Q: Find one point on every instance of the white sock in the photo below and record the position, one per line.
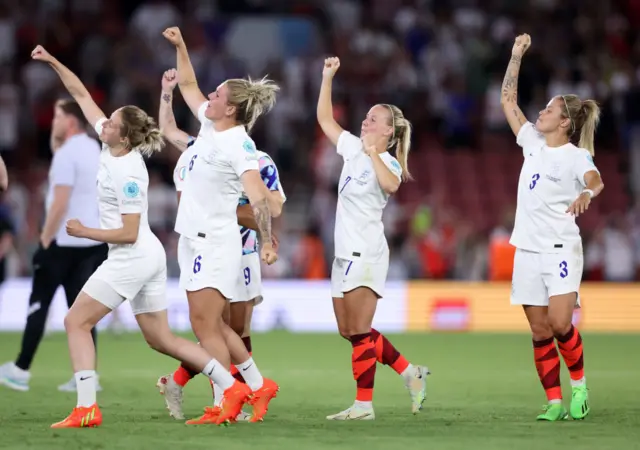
(555, 402)
(86, 385)
(581, 382)
(251, 374)
(218, 393)
(408, 372)
(363, 405)
(220, 376)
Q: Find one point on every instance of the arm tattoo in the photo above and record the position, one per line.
(263, 219)
(518, 116)
(510, 82)
(166, 98)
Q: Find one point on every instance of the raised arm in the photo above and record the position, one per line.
(509, 96)
(324, 112)
(166, 119)
(187, 82)
(4, 176)
(73, 84)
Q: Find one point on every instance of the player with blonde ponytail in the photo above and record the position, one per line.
(135, 268)
(558, 180)
(370, 175)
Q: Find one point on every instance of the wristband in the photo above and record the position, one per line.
(588, 191)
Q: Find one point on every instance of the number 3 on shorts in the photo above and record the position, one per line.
(247, 276)
(564, 271)
(196, 264)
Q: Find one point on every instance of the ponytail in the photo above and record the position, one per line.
(591, 113)
(141, 131)
(251, 98)
(401, 139)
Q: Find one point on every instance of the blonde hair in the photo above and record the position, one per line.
(140, 131)
(251, 98)
(400, 138)
(584, 116)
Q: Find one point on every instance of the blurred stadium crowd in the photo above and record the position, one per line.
(441, 62)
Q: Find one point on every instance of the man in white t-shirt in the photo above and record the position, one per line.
(557, 182)
(61, 260)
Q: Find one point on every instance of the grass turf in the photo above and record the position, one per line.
(483, 394)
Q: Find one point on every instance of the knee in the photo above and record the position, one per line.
(344, 332)
(541, 330)
(559, 326)
(158, 342)
(74, 322)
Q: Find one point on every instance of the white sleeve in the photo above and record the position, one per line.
(348, 145)
(180, 170)
(129, 190)
(63, 171)
(394, 167)
(529, 139)
(245, 158)
(583, 164)
(100, 125)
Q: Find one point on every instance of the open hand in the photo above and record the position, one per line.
(580, 205)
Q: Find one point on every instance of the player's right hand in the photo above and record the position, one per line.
(268, 254)
(40, 54)
(169, 80)
(331, 66)
(173, 35)
(521, 45)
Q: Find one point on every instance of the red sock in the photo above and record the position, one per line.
(387, 354)
(363, 362)
(548, 367)
(570, 346)
(183, 375)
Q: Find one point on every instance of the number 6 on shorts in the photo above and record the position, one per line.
(196, 264)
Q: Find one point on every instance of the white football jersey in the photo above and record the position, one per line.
(182, 166)
(551, 179)
(123, 182)
(359, 230)
(212, 187)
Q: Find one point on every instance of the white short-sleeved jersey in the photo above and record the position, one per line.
(122, 189)
(182, 166)
(359, 230)
(550, 180)
(212, 186)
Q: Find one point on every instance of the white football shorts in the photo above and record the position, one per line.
(538, 276)
(249, 285)
(139, 276)
(206, 265)
(346, 275)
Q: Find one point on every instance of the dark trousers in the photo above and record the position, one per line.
(69, 267)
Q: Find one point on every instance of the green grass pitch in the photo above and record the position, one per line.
(483, 394)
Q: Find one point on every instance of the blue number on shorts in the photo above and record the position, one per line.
(346, 181)
(247, 276)
(346, 272)
(534, 180)
(193, 159)
(564, 271)
(196, 264)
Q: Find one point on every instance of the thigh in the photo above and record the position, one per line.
(238, 316)
(87, 311)
(360, 307)
(206, 307)
(527, 285)
(538, 319)
(101, 291)
(153, 324)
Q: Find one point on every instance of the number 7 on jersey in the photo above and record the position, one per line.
(346, 181)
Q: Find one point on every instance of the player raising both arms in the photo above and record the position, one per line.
(249, 287)
(135, 268)
(557, 182)
(223, 165)
(369, 176)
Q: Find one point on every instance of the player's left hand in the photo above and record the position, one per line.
(75, 228)
(580, 205)
(268, 254)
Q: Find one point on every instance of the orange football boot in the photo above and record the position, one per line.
(260, 399)
(81, 417)
(233, 400)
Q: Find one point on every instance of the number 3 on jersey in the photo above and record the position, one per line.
(534, 180)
